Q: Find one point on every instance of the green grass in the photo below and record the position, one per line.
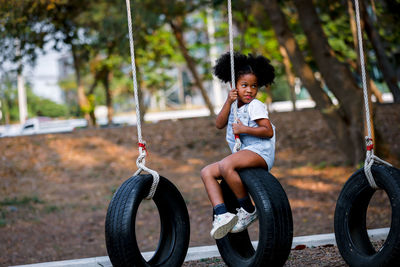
(213, 262)
(3, 221)
(320, 166)
(26, 207)
(51, 209)
(113, 189)
(23, 201)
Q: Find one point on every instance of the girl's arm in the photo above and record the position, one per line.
(223, 115)
(263, 130)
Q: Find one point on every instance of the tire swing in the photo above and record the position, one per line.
(275, 223)
(351, 208)
(350, 218)
(120, 232)
(273, 208)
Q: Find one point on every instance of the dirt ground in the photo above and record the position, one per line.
(55, 189)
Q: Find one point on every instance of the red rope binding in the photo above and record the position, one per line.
(143, 145)
(371, 146)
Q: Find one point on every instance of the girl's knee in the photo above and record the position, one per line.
(206, 172)
(225, 167)
(203, 172)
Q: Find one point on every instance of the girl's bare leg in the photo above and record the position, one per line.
(209, 175)
(228, 169)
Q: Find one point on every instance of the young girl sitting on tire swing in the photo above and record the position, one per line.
(257, 136)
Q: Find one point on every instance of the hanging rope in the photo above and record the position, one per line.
(141, 160)
(238, 144)
(370, 157)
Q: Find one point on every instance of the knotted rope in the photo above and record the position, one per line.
(370, 157)
(238, 144)
(141, 160)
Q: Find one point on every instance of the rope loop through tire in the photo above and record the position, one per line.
(351, 213)
(370, 160)
(275, 223)
(120, 232)
(140, 163)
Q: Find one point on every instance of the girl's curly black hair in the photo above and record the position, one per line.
(259, 66)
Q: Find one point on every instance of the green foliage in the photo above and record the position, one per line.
(37, 106)
(280, 89)
(9, 97)
(262, 96)
(336, 23)
(293, 21)
(48, 108)
(97, 31)
(68, 86)
(387, 21)
(157, 62)
(20, 26)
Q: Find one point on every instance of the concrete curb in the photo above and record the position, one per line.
(197, 253)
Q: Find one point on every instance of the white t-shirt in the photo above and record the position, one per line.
(248, 114)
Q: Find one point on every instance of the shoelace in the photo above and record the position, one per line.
(240, 211)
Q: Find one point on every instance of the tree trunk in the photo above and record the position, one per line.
(387, 69)
(90, 97)
(82, 99)
(333, 116)
(178, 33)
(336, 75)
(289, 74)
(6, 111)
(142, 107)
(372, 85)
(106, 84)
(268, 100)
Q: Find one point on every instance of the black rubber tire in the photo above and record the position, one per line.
(120, 233)
(275, 222)
(351, 213)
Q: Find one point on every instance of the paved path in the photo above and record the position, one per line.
(197, 253)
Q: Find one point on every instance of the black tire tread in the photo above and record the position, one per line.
(121, 238)
(353, 201)
(274, 208)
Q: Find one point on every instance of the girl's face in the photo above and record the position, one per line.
(247, 88)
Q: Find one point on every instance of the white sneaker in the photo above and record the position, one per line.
(222, 224)
(245, 219)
